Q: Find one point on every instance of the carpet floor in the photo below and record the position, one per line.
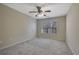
(38, 46)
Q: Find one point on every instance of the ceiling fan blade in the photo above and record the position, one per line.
(48, 11)
(44, 15)
(33, 11)
(35, 15)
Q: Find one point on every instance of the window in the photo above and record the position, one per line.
(50, 27)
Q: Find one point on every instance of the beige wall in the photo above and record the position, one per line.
(61, 28)
(15, 26)
(73, 28)
(1, 22)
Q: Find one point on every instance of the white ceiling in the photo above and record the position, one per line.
(57, 9)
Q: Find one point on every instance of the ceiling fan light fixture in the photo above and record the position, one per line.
(40, 15)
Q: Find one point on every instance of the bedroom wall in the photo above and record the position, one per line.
(72, 28)
(1, 22)
(15, 27)
(61, 28)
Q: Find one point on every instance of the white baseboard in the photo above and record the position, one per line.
(7, 46)
(69, 47)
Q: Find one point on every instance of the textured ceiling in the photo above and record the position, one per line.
(57, 9)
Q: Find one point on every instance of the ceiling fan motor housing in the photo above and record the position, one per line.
(39, 9)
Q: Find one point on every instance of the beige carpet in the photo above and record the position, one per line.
(38, 47)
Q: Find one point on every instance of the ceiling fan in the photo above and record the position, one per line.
(39, 11)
